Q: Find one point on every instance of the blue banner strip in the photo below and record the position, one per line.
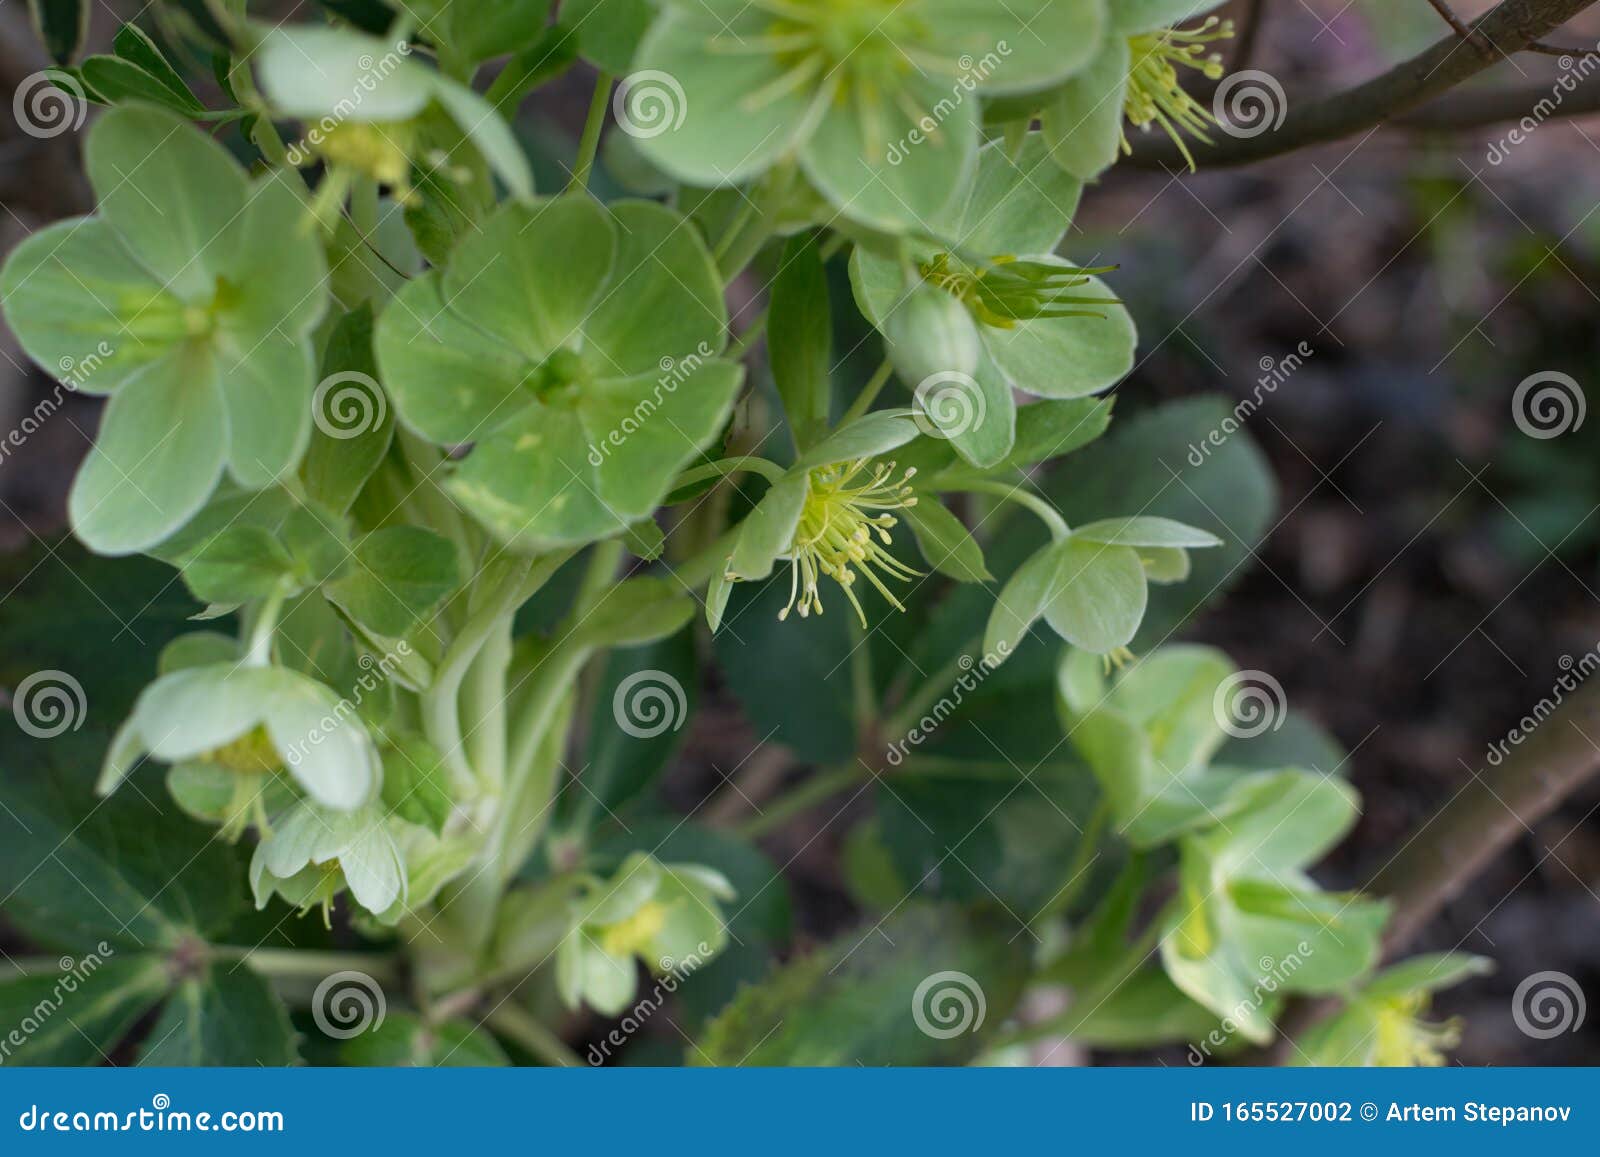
(708, 1112)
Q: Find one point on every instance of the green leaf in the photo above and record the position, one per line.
(1144, 530)
(406, 1040)
(1067, 357)
(800, 339)
(635, 612)
(415, 783)
(354, 423)
(1145, 465)
(484, 29)
(240, 564)
(1019, 203)
(1082, 123)
(945, 541)
(1428, 972)
(62, 25)
(119, 81)
(609, 31)
(397, 577)
(909, 991)
(131, 43)
(226, 1016)
(79, 1015)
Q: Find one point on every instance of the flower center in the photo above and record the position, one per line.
(634, 933)
(1155, 94)
(1405, 1040)
(251, 752)
(844, 529)
(1008, 289)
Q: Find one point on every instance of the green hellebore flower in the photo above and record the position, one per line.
(1247, 920)
(1383, 1025)
(877, 98)
(250, 720)
(190, 300)
(576, 345)
(1135, 78)
(360, 95)
(667, 915)
(829, 515)
(1043, 325)
(1091, 585)
(313, 853)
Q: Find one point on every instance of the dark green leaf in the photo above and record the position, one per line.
(78, 1015)
(241, 563)
(226, 1016)
(397, 577)
(62, 25)
(415, 786)
(406, 1040)
(343, 454)
(800, 339)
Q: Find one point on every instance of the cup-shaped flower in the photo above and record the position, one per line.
(576, 345)
(251, 720)
(1248, 921)
(1383, 1023)
(829, 515)
(878, 99)
(313, 853)
(1136, 78)
(667, 915)
(360, 98)
(1090, 585)
(1043, 325)
(190, 299)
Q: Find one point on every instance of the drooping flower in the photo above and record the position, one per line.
(666, 915)
(199, 332)
(1384, 1021)
(877, 99)
(1136, 78)
(1038, 322)
(313, 853)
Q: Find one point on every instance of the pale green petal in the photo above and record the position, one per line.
(1067, 357)
(1131, 17)
(198, 709)
(162, 442)
(1097, 595)
(309, 72)
(1016, 205)
(1083, 121)
(267, 383)
(324, 744)
(274, 263)
(698, 113)
(170, 191)
(489, 134)
(1016, 45)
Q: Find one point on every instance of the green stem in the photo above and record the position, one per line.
(752, 333)
(756, 226)
(1077, 874)
(283, 963)
(726, 468)
(821, 786)
(589, 143)
(869, 393)
(1024, 497)
(697, 570)
(258, 652)
(511, 1020)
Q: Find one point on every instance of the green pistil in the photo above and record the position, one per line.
(1155, 96)
(1008, 290)
(844, 530)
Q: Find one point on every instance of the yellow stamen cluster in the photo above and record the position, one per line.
(1155, 95)
(1406, 1041)
(633, 933)
(844, 528)
(379, 151)
(251, 752)
(1009, 289)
